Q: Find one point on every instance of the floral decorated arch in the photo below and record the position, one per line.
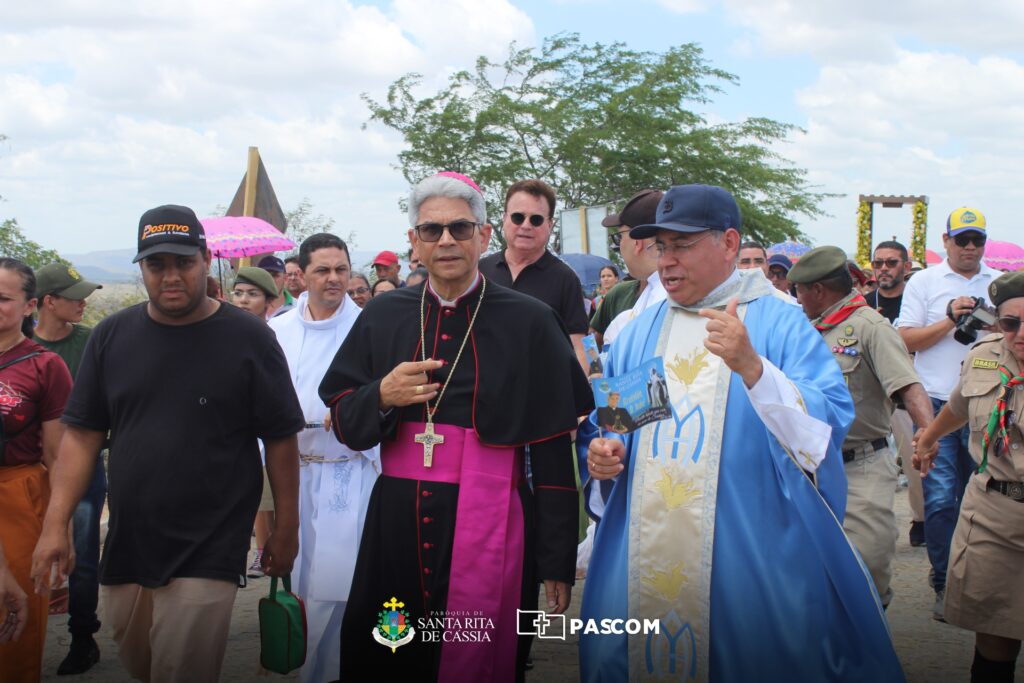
(865, 224)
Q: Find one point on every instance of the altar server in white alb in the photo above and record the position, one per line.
(335, 482)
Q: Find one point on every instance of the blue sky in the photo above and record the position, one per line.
(110, 111)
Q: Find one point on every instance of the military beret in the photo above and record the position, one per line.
(817, 264)
(258, 277)
(1006, 286)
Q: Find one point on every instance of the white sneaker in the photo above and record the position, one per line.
(255, 571)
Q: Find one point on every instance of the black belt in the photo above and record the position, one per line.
(850, 454)
(1010, 489)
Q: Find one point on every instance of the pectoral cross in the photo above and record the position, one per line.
(429, 439)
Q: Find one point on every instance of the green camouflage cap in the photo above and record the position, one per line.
(251, 275)
(1006, 286)
(63, 281)
(817, 264)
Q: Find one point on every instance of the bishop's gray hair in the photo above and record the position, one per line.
(445, 186)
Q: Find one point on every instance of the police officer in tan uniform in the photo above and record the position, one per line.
(877, 367)
(985, 583)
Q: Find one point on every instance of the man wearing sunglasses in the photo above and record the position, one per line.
(527, 266)
(892, 266)
(640, 260)
(453, 377)
(933, 300)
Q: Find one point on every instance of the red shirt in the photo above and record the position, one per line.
(31, 392)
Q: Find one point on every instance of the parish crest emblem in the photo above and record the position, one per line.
(394, 627)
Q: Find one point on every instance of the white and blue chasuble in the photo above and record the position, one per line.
(730, 537)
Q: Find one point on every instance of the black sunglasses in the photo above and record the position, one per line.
(1009, 324)
(888, 262)
(616, 238)
(460, 230)
(963, 239)
(536, 220)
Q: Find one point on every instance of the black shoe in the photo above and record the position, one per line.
(84, 654)
(917, 534)
(938, 609)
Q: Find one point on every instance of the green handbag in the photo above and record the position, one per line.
(282, 629)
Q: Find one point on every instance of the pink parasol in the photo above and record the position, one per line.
(1003, 255)
(238, 236)
(931, 258)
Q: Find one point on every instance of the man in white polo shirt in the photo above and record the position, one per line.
(933, 301)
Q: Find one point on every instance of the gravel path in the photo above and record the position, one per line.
(931, 652)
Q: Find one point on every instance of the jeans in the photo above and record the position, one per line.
(943, 490)
(83, 591)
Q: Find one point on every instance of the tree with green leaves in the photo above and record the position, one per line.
(597, 122)
(14, 244)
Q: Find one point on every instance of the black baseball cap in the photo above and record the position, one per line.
(693, 208)
(640, 209)
(170, 229)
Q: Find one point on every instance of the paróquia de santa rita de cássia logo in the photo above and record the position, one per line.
(394, 628)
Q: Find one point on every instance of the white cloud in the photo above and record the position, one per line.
(112, 108)
(930, 123)
(684, 6)
(872, 29)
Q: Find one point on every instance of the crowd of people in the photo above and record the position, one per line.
(423, 456)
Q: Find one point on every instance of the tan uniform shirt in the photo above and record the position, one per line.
(973, 399)
(875, 365)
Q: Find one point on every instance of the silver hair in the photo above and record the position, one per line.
(444, 186)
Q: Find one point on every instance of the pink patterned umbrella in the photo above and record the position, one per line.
(238, 236)
(1004, 255)
(931, 258)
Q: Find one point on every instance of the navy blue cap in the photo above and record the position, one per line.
(780, 260)
(693, 208)
(271, 264)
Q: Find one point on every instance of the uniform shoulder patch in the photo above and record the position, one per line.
(985, 364)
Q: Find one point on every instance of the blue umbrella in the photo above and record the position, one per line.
(794, 250)
(588, 269)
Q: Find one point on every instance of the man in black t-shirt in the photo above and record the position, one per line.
(891, 265)
(527, 266)
(184, 410)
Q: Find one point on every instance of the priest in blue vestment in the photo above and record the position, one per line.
(724, 522)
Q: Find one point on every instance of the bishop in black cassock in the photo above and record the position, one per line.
(434, 536)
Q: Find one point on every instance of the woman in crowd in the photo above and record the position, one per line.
(984, 583)
(254, 290)
(609, 278)
(34, 386)
(382, 286)
(359, 289)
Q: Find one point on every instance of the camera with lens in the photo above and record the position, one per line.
(968, 324)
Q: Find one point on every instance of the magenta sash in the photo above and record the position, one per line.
(487, 554)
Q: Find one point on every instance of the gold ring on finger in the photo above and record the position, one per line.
(419, 388)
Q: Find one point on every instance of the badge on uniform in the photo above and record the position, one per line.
(985, 364)
(847, 341)
(848, 330)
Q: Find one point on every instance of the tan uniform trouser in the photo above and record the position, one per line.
(870, 522)
(903, 431)
(173, 634)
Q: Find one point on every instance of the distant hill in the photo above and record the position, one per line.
(106, 267)
(115, 265)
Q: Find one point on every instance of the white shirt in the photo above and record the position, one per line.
(924, 302)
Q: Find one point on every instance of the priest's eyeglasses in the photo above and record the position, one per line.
(676, 248)
(460, 230)
(1009, 324)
